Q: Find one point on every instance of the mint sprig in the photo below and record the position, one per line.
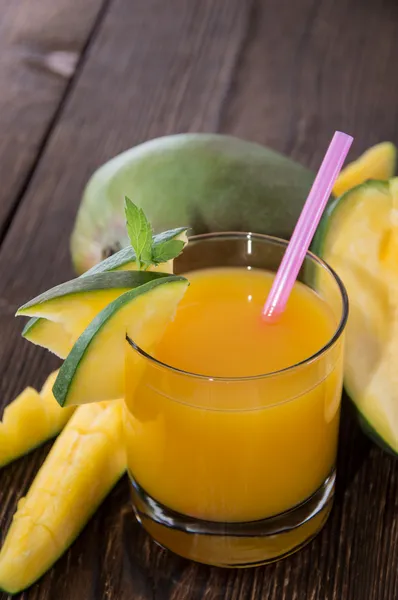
(141, 238)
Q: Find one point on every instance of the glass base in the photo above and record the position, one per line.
(235, 544)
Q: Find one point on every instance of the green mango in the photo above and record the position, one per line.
(208, 182)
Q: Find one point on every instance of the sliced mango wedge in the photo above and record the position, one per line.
(71, 306)
(51, 333)
(376, 163)
(384, 380)
(357, 239)
(355, 227)
(94, 369)
(30, 420)
(48, 334)
(125, 259)
(83, 465)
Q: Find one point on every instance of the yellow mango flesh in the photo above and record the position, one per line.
(85, 462)
(50, 335)
(30, 420)
(376, 163)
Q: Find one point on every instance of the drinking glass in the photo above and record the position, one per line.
(237, 471)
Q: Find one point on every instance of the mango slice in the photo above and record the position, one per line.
(84, 464)
(71, 306)
(376, 163)
(358, 240)
(58, 329)
(30, 420)
(125, 259)
(49, 335)
(384, 380)
(94, 368)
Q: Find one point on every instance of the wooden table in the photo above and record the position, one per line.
(81, 81)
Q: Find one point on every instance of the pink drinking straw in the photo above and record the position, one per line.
(306, 226)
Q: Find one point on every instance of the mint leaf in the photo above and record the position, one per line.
(150, 250)
(140, 233)
(166, 251)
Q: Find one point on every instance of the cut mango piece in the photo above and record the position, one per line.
(125, 259)
(356, 228)
(48, 334)
(357, 239)
(84, 464)
(383, 383)
(54, 335)
(71, 306)
(376, 163)
(384, 380)
(30, 420)
(94, 368)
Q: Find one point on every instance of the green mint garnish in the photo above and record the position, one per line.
(140, 233)
(141, 237)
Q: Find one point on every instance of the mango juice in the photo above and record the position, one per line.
(229, 421)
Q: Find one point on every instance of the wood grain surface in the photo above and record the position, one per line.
(41, 43)
(281, 72)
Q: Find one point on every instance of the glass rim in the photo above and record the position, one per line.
(286, 370)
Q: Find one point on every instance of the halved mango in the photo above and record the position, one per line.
(94, 368)
(376, 163)
(384, 380)
(83, 465)
(355, 238)
(30, 420)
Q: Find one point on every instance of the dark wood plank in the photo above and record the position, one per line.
(283, 73)
(311, 67)
(40, 45)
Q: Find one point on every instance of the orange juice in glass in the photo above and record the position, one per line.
(232, 423)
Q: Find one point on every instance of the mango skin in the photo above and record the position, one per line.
(208, 182)
(371, 432)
